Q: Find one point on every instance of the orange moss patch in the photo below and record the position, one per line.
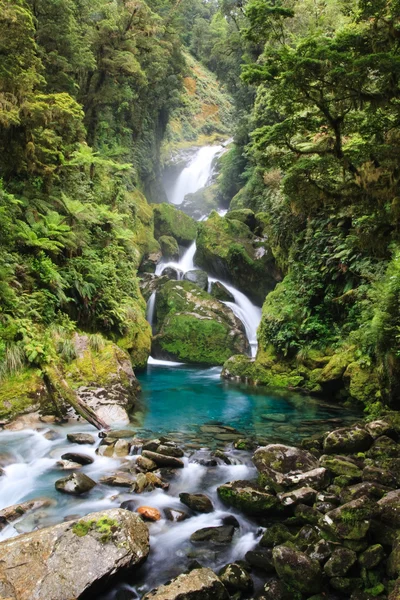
(190, 85)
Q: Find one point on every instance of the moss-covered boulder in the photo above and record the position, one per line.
(249, 497)
(220, 292)
(279, 465)
(297, 570)
(350, 521)
(169, 247)
(198, 277)
(347, 440)
(340, 562)
(136, 339)
(170, 221)
(21, 393)
(229, 250)
(194, 327)
(200, 203)
(244, 215)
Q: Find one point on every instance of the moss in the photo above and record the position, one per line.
(250, 371)
(362, 383)
(20, 393)
(104, 526)
(137, 339)
(169, 247)
(170, 221)
(96, 367)
(244, 215)
(249, 498)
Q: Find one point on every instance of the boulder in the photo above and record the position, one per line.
(81, 438)
(340, 465)
(199, 584)
(198, 277)
(197, 502)
(350, 521)
(348, 440)
(162, 460)
(297, 570)
(145, 464)
(169, 247)
(64, 561)
(150, 261)
(194, 327)
(372, 556)
(249, 497)
(172, 274)
(75, 484)
(276, 462)
(118, 480)
(11, 513)
(172, 514)
(390, 508)
(244, 215)
(170, 449)
(304, 495)
(148, 513)
(340, 562)
(220, 292)
(172, 222)
(81, 459)
(216, 535)
(236, 579)
(260, 558)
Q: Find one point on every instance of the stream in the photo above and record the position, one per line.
(190, 405)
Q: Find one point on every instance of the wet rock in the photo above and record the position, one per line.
(121, 448)
(297, 570)
(307, 514)
(170, 221)
(261, 558)
(150, 261)
(145, 464)
(216, 535)
(230, 520)
(378, 428)
(276, 535)
(52, 435)
(304, 495)
(81, 438)
(320, 551)
(390, 508)
(11, 513)
(170, 450)
(236, 579)
(169, 247)
(172, 514)
(352, 520)
(81, 459)
(172, 274)
(383, 447)
(346, 585)
(275, 589)
(393, 563)
(149, 513)
(340, 562)
(372, 556)
(281, 459)
(68, 465)
(248, 497)
(199, 584)
(366, 488)
(117, 480)
(379, 475)
(348, 440)
(76, 484)
(197, 502)
(57, 562)
(198, 277)
(220, 292)
(118, 434)
(146, 482)
(163, 461)
(222, 457)
(151, 445)
(129, 505)
(317, 479)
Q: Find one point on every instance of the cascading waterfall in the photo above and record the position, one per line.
(151, 304)
(195, 176)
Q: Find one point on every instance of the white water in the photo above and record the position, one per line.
(196, 175)
(151, 304)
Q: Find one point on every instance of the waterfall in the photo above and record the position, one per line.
(196, 175)
(151, 304)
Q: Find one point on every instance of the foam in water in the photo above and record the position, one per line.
(196, 175)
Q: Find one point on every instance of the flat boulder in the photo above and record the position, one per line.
(163, 460)
(80, 438)
(276, 462)
(65, 561)
(199, 584)
(215, 535)
(75, 484)
(248, 497)
(197, 502)
(348, 440)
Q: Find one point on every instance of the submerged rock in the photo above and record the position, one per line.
(199, 584)
(11, 513)
(64, 561)
(75, 484)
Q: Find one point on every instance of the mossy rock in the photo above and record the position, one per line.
(169, 247)
(21, 393)
(143, 225)
(229, 250)
(248, 370)
(194, 327)
(170, 221)
(362, 383)
(137, 338)
(200, 203)
(249, 497)
(297, 570)
(244, 215)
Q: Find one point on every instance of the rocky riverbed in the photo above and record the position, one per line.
(273, 522)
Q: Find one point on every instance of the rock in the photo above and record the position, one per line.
(228, 249)
(76, 484)
(390, 508)
(68, 465)
(379, 475)
(170, 221)
(172, 514)
(216, 535)
(346, 585)
(340, 562)
(316, 478)
(117, 434)
(117, 480)
(378, 428)
(339, 465)
(366, 488)
(220, 292)
(145, 464)
(297, 570)
(236, 579)
(172, 274)
(277, 462)
(81, 459)
(199, 584)
(304, 495)
(150, 261)
(169, 247)
(57, 563)
(198, 277)
(147, 482)
(121, 448)
(170, 450)
(307, 514)
(348, 440)
(230, 520)
(197, 502)
(194, 327)
(372, 556)
(248, 497)
(261, 558)
(276, 535)
(320, 551)
(163, 461)
(350, 521)
(382, 448)
(275, 589)
(148, 513)
(393, 562)
(80, 438)
(244, 215)
(11, 513)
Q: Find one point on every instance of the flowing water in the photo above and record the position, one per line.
(192, 406)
